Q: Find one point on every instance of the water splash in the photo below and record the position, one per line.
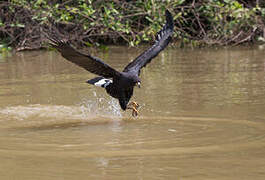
(42, 111)
(100, 106)
(87, 109)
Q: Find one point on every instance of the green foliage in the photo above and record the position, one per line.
(221, 22)
(101, 22)
(4, 47)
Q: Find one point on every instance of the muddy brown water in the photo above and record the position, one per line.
(202, 116)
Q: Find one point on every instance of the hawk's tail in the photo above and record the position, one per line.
(100, 81)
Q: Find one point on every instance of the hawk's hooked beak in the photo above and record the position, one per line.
(138, 84)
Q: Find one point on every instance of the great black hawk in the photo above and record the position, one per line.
(119, 85)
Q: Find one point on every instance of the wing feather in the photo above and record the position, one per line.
(86, 61)
(163, 38)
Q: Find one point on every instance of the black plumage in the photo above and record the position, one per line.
(119, 85)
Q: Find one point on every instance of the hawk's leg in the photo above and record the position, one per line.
(134, 106)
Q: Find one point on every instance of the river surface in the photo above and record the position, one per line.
(202, 116)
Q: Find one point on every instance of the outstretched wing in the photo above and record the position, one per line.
(88, 62)
(163, 37)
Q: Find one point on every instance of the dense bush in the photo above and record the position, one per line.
(100, 22)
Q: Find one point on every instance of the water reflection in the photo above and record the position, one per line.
(201, 117)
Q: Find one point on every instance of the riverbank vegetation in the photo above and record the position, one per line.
(23, 23)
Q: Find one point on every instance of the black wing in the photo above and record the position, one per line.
(88, 62)
(163, 37)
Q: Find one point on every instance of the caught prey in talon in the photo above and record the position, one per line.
(119, 85)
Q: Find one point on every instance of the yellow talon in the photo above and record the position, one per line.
(135, 112)
(134, 104)
(134, 108)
